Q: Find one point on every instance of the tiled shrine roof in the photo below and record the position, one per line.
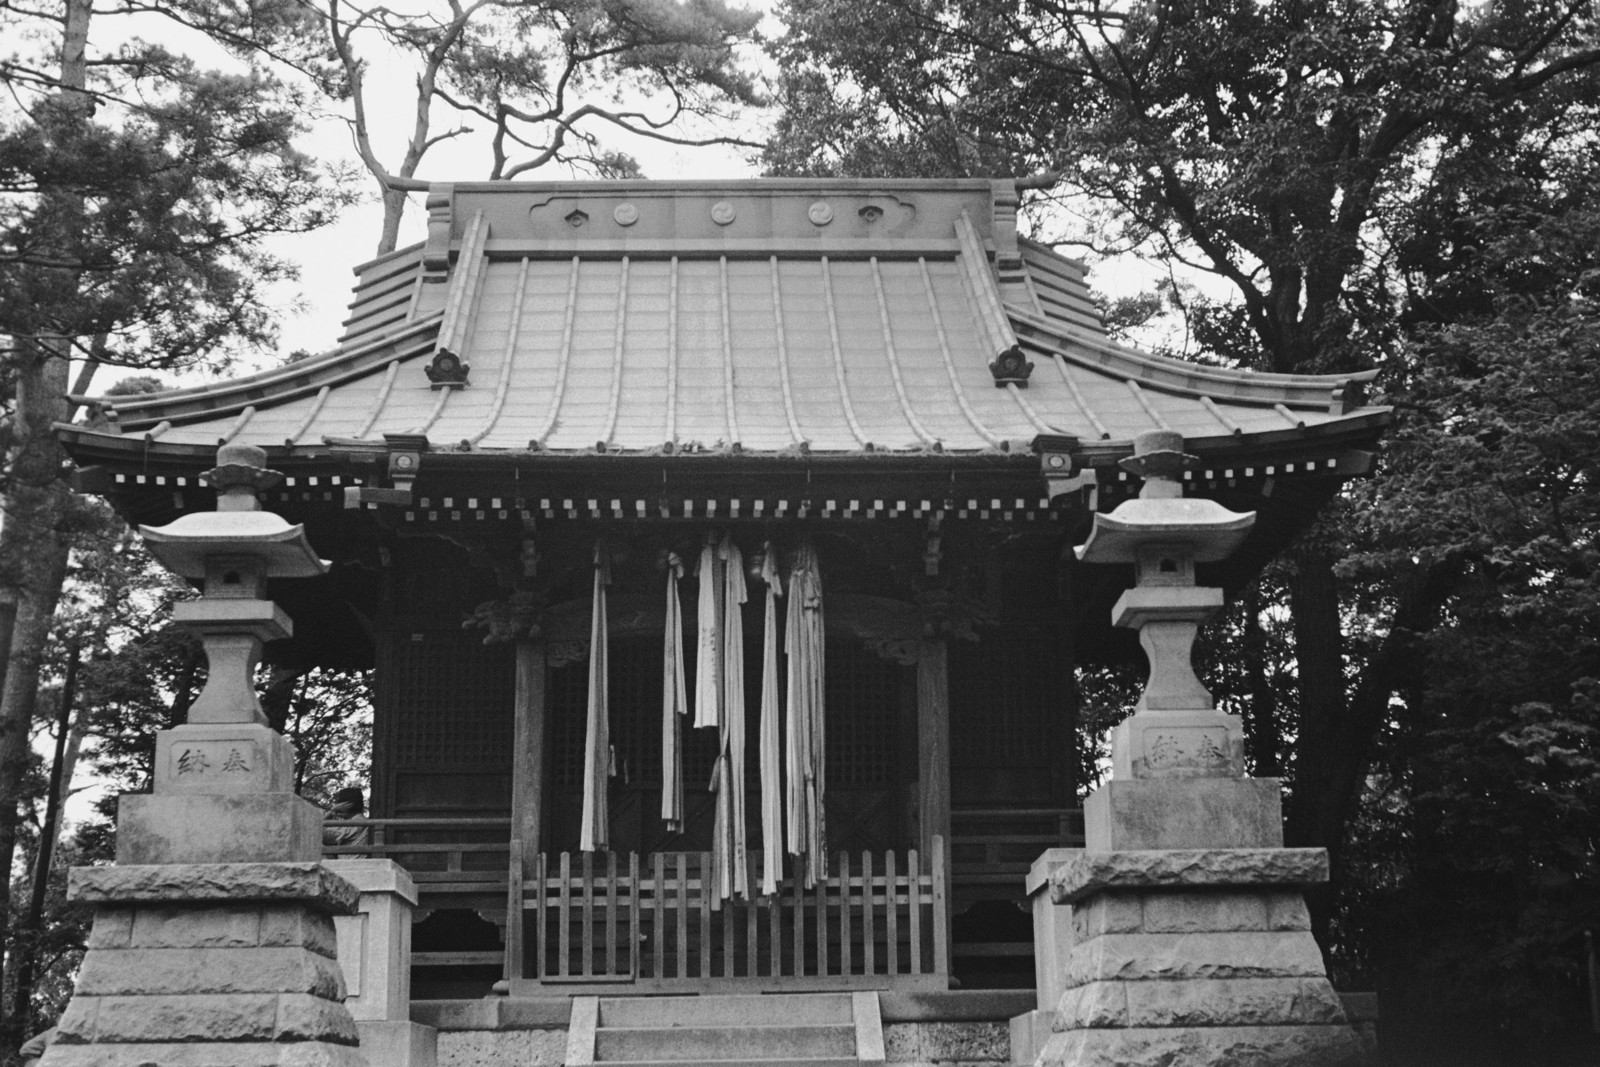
(771, 316)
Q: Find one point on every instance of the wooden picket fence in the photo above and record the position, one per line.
(604, 919)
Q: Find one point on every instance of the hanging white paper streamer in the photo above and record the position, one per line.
(594, 831)
(674, 701)
(771, 740)
(805, 743)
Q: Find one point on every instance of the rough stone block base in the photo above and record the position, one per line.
(233, 1054)
(1029, 1033)
(387, 1043)
(1195, 958)
(1214, 1046)
(502, 1048)
(197, 965)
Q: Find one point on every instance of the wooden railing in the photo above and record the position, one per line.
(608, 918)
(992, 848)
(433, 852)
(448, 872)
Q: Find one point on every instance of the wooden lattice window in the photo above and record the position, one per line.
(863, 695)
(450, 698)
(1005, 715)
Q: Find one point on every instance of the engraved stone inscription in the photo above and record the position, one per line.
(215, 765)
(1174, 747)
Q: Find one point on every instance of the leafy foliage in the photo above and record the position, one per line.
(131, 215)
(1400, 185)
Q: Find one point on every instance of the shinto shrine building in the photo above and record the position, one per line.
(712, 547)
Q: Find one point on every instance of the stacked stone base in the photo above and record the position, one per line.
(1196, 958)
(210, 965)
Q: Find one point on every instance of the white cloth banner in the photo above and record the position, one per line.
(674, 701)
(805, 744)
(771, 740)
(594, 829)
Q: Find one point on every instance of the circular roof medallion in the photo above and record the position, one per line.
(625, 214)
(722, 213)
(820, 213)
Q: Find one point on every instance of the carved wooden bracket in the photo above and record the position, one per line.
(947, 613)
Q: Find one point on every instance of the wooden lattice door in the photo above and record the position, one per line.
(871, 746)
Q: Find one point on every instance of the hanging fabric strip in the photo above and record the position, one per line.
(674, 701)
(593, 833)
(805, 742)
(771, 740)
(733, 722)
(708, 644)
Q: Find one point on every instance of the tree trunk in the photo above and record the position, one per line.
(1314, 816)
(36, 547)
(34, 541)
(1262, 733)
(394, 206)
(25, 942)
(1337, 731)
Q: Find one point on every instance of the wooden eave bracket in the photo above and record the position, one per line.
(404, 461)
(1059, 462)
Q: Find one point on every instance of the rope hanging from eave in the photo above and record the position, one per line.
(674, 701)
(594, 831)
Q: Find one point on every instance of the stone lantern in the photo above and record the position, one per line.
(1175, 731)
(226, 769)
(1189, 941)
(213, 938)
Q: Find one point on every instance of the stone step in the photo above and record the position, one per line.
(725, 1043)
(793, 1009)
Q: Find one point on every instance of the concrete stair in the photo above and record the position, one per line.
(778, 1030)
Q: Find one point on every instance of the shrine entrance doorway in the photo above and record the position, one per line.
(639, 913)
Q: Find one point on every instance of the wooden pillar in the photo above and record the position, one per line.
(1066, 663)
(933, 740)
(527, 798)
(528, 757)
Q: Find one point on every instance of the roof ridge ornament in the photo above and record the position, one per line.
(447, 371)
(1011, 367)
(436, 250)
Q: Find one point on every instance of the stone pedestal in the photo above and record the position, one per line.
(1145, 813)
(1052, 942)
(375, 955)
(224, 793)
(1196, 957)
(209, 965)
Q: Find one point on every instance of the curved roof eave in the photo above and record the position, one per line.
(1356, 431)
(275, 385)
